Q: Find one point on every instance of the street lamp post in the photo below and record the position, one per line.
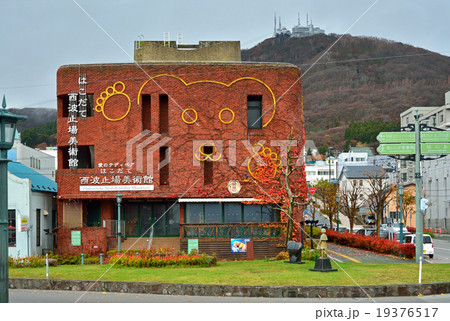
(8, 124)
(400, 192)
(329, 163)
(119, 232)
(337, 219)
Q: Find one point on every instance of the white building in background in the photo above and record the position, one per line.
(31, 211)
(435, 173)
(351, 159)
(43, 162)
(325, 170)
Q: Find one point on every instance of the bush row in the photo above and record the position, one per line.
(425, 231)
(162, 261)
(372, 243)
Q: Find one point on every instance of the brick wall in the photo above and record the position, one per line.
(204, 95)
(93, 241)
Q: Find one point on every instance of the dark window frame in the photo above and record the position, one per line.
(12, 228)
(254, 106)
(274, 213)
(63, 102)
(38, 226)
(139, 212)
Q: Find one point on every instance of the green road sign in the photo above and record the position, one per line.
(397, 149)
(435, 148)
(396, 137)
(435, 137)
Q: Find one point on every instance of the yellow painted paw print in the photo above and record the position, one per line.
(108, 93)
(204, 156)
(266, 152)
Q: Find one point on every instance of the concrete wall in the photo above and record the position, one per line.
(204, 51)
(436, 188)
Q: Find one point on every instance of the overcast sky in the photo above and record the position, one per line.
(38, 36)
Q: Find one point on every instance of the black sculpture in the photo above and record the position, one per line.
(295, 252)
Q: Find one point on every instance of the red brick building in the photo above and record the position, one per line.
(176, 140)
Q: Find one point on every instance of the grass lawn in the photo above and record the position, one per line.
(250, 273)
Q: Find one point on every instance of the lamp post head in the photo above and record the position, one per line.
(119, 198)
(400, 190)
(337, 197)
(8, 123)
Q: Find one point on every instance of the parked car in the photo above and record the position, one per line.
(366, 231)
(396, 236)
(395, 228)
(428, 248)
(383, 233)
(369, 219)
(342, 229)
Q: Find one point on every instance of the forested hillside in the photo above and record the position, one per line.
(358, 79)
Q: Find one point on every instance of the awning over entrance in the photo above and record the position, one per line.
(215, 200)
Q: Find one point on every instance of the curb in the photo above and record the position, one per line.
(233, 290)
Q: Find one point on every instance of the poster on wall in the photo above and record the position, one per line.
(192, 245)
(239, 245)
(75, 238)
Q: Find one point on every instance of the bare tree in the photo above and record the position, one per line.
(378, 193)
(326, 196)
(350, 201)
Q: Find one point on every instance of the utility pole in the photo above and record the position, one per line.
(419, 225)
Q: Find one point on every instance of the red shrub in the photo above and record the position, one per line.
(371, 243)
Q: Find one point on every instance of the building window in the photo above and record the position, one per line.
(441, 117)
(94, 213)
(228, 213)
(63, 103)
(403, 164)
(11, 227)
(146, 112)
(404, 178)
(208, 169)
(141, 216)
(254, 112)
(85, 156)
(163, 114)
(164, 170)
(410, 176)
(38, 227)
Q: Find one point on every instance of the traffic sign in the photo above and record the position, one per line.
(435, 148)
(312, 190)
(435, 137)
(396, 137)
(397, 149)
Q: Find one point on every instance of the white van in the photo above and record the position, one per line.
(428, 248)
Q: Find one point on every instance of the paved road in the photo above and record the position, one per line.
(441, 250)
(38, 296)
(350, 254)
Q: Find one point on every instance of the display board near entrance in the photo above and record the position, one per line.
(192, 245)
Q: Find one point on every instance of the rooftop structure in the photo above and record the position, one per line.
(154, 51)
(298, 31)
